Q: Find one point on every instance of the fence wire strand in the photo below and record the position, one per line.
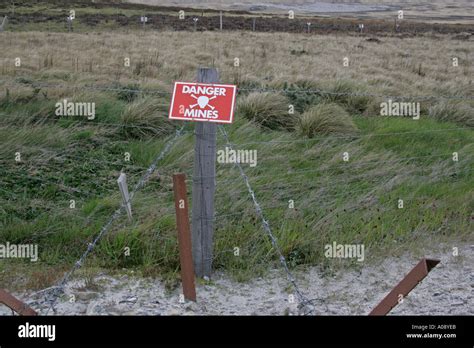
(304, 303)
(57, 290)
(152, 91)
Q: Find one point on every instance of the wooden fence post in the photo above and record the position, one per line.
(184, 236)
(122, 183)
(204, 187)
(220, 20)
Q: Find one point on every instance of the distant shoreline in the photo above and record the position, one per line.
(429, 11)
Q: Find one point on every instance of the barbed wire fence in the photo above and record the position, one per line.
(306, 305)
(295, 89)
(303, 302)
(52, 294)
(293, 20)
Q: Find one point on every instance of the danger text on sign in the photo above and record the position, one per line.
(203, 102)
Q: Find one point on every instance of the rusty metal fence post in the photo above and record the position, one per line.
(15, 304)
(403, 288)
(184, 236)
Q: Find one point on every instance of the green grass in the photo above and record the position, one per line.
(325, 118)
(70, 158)
(349, 202)
(413, 138)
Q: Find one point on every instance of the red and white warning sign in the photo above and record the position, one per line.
(203, 102)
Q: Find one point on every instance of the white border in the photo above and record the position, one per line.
(233, 87)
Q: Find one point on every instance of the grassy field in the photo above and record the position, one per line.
(118, 16)
(391, 158)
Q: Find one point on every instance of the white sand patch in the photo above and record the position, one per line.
(447, 290)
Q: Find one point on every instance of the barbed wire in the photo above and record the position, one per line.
(349, 168)
(324, 191)
(337, 167)
(258, 207)
(290, 176)
(216, 19)
(317, 138)
(352, 94)
(85, 158)
(59, 288)
(304, 301)
(356, 161)
(103, 88)
(65, 188)
(107, 124)
(243, 89)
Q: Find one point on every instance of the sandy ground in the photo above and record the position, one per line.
(448, 290)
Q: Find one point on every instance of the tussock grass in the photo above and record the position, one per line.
(453, 111)
(349, 94)
(128, 93)
(302, 94)
(146, 117)
(325, 118)
(349, 202)
(268, 110)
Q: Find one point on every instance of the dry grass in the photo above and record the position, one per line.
(269, 110)
(325, 119)
(390, 67)
(454, 111)
(311, 173)
(145, 117)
